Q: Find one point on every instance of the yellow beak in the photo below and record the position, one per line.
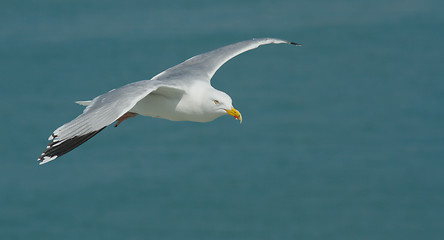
(235, 113)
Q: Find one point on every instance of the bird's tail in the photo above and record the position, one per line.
(84, 103)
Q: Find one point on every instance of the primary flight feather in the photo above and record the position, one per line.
(180, 93)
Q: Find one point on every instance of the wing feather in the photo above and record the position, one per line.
(204, 66)
(101, 112)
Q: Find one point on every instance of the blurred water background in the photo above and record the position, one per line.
(343, 138)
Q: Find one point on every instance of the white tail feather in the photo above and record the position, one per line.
(84, 103)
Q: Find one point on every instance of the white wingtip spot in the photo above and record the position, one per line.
(56, 143)
(47, 159)
(51, 137)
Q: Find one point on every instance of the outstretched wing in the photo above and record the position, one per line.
(102, 111)
(204, 66)
(107, 108)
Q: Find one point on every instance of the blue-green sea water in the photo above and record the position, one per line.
(343, 138)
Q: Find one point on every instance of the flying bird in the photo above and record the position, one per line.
(180, 93)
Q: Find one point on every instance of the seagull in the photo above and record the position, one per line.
(180, 93)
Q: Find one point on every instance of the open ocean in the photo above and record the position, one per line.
(342, 138)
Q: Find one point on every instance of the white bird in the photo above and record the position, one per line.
(180, 93)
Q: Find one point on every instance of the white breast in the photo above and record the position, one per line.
(159, 106)
(179, 106)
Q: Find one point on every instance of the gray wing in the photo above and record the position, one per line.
(107, 108)
(204, 66)
(103, 110)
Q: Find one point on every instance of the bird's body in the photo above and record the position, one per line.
(178, 105)
(180, 93)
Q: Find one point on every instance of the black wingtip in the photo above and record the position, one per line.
(56, 149)
(296, 44)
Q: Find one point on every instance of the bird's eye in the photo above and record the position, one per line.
(216, 102)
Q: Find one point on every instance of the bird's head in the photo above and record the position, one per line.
(221, 103)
